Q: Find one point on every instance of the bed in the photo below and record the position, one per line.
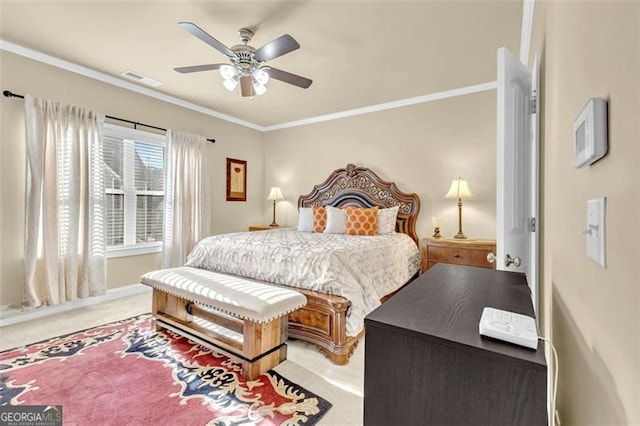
(333, 317)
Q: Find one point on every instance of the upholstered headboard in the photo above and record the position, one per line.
(360, 186)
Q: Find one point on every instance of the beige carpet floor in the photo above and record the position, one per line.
(341, 385)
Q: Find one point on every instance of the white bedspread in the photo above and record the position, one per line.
(361, 269)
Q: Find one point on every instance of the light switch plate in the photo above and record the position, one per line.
(595, 231)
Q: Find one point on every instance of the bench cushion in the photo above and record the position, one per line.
(240, 297)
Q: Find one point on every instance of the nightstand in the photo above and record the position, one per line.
(262, 228)
(458, 252)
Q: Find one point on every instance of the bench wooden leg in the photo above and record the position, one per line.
(253, 370)
(263, 344)
(260, 339)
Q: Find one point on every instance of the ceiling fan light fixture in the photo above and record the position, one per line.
(247, 69)
(228, 71)
(230, 83)
(259, 89)
(261, 76)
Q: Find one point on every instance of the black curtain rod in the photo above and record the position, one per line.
(9, 94)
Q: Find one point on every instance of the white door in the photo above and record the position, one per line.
(517, 171)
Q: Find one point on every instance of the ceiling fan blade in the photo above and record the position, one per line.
(278, 47)
(204, 36)
(246, 86)
(287, 77)
(197, 68)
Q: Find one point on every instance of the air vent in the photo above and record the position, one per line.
(141, 78)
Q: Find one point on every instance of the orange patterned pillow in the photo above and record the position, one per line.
(319, 218)
(362, 221)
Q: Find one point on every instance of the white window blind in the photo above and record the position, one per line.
(134, 186)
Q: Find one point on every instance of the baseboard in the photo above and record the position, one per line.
(15, 316)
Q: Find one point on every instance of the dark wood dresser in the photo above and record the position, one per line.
(426, 364)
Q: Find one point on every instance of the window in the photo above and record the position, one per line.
(134, 186)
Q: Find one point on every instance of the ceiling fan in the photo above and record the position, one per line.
(247, 68)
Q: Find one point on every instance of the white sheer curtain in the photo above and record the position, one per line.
(187, 213)
(65, 252)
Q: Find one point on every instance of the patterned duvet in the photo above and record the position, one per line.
(361, 269)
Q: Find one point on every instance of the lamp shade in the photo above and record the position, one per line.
(227, 71)
(261, 76)
(275, 194)
(259, 89)
(459, 189)
(231, 83)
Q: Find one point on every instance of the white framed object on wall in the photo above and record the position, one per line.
(590, 133)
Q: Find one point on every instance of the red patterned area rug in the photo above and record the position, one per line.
(126, 373)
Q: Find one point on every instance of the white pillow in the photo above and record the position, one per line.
(336, 221)
(305, 219)
(387, 220)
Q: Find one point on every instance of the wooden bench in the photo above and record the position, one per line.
(243, 319)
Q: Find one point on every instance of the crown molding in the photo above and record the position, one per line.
(387, 105)
(526, 30)
(109, 79)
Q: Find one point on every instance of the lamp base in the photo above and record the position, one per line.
(273, 222)
(460, 236)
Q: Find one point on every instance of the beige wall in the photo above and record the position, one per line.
(23, 75)
(421, 148)
(592, 49)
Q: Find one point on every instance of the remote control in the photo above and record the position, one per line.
(509, 326)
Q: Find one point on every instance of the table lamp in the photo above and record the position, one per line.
(276, 195)
(459, 189)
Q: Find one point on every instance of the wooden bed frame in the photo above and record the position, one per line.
(322, 321)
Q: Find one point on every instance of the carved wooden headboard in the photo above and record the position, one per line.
(359, 186)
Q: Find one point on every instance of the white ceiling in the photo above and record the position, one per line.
(358, 53)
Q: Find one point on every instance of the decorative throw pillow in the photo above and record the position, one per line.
(362, 221)
(319, 218)
(336, 221)
(305, 219)
(387, 220)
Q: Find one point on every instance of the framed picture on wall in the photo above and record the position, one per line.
(236, 180)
